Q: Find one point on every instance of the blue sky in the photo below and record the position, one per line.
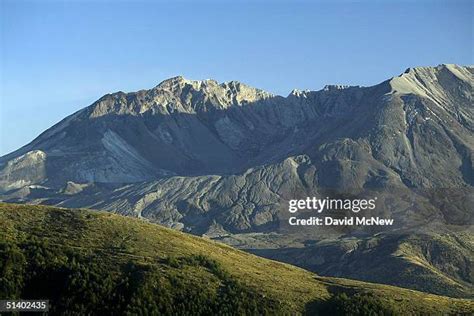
(59, 56)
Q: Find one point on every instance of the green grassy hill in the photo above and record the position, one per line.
(96, 262)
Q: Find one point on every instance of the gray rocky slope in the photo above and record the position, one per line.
(222, 160)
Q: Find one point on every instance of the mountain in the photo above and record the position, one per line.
(223, 160)
(101, 262)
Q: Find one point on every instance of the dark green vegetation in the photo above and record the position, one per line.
(101, 263)
(357, 304)
(84, 283)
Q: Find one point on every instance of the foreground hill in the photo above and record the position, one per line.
(98, 262)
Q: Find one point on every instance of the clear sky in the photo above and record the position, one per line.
(59, 56)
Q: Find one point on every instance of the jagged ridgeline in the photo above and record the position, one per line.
(397, 130)
(95, 262)
(222, 160)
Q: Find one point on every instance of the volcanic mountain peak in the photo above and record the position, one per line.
(210, 87)
(190, 127)
(182, 95)
(179, 94)
(226, 93)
